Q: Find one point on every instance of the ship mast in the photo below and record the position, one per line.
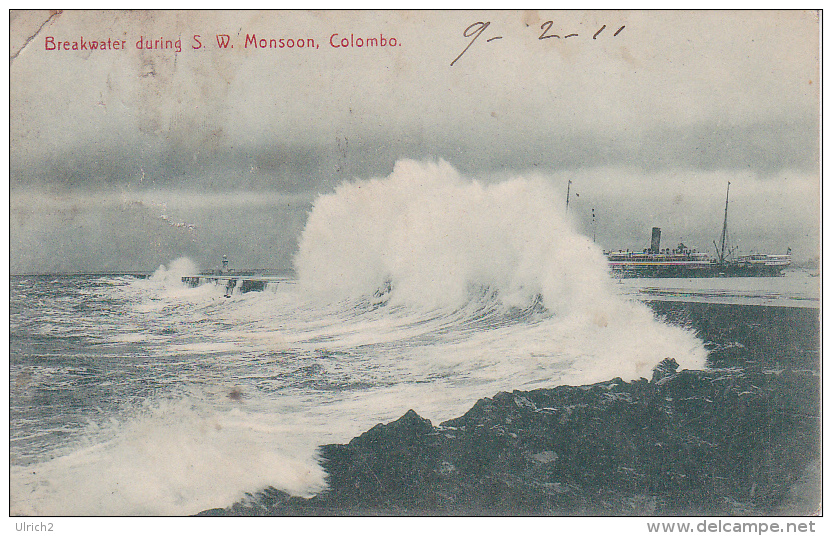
(568, 185)
(594, 227)
(724, 228)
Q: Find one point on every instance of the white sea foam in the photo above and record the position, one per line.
(173, 273)
(431, 236)
(173, 457)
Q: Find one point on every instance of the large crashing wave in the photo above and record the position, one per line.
(432, 234)
(427, 236)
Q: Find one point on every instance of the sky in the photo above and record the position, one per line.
(128, 158)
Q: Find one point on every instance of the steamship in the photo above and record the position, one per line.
(685, 262)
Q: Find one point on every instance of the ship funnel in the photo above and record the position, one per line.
(655, 240)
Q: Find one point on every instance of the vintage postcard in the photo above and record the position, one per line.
(422, 263)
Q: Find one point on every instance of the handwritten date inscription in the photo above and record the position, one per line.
(475, 30)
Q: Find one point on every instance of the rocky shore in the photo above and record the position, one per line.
(742, 437)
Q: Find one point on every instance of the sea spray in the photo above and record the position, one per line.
(427, 236)
(172, 273)
(165, 289)
(432, 234)
(167, 457)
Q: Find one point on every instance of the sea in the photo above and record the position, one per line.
(422, 290)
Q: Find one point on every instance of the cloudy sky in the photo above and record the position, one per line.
(127, 159)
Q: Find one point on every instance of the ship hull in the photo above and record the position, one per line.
(728, 270)
(741, 270)
(662, 271)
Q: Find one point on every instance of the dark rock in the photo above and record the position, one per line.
(214, 512)
(724, 441)
(701, 442)
(665, 370)
(391, 466)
